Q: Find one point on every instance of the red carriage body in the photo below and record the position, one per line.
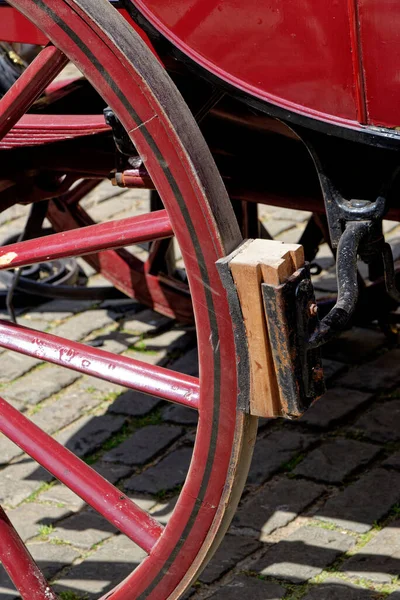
(333, 62)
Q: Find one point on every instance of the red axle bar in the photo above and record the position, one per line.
(29, 86)
(123, 370)
(19, 564)
(109, 501)
(134, 178)
(87, 240)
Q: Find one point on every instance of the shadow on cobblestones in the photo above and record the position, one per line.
(319, 518)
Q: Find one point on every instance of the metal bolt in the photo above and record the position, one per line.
(313, 309)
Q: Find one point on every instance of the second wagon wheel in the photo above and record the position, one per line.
(120, 66)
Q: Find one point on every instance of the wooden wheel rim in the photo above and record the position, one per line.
(100, 43)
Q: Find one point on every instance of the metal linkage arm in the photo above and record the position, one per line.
(347, 276)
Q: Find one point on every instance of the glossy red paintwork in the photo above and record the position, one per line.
(14, 27)
(380, 44)
(335, 61)
(297, 54)
(78, 242)
(122, 370)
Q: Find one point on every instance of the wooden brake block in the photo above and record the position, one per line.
(278, 376)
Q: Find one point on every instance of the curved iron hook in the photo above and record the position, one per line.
(347, 281)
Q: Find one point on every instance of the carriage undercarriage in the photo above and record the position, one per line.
(160, 127)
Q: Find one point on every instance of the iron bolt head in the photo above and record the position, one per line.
(313, 309)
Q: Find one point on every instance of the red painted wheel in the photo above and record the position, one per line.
(123, 70)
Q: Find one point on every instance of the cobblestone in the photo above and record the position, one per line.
(162, 511)
(332, 368)
(188, 363)
(89, 433)
(249, 587)
(334, 461)
(146, 322)
(355, 345)
(273, 532)
(379, 560)
(349, 509)
(39, 385)
(166, 475)
(19, 480)
(337, 404)
(52, 558)
(8, 450)
(104, 569)
(276, 505)
(232, 550)
(143, 445)
(134, 404)
(83, 530)
(304, 554)
(393, 462)
(29, 517)
(273, 451)
(340, 590)
(60, 494)
(14, 365)
(180, 414)
(382, 423)
(65, 410)
(79, 326)
(380, 374)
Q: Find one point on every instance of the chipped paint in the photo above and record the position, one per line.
(6, 259)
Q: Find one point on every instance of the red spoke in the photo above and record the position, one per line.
(109, 501)
(123, 370)
(33, 130)
(134, 178)
(88, 240)
(29, 86)
(19, 564)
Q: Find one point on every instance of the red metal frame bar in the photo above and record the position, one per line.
(14, 104)
(123, 370)
(19, 564)
(109, 501)
(94, 238)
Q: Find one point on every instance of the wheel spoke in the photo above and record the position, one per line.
(29, 86)
(87, 240)
(123, 370)
(104, 497)
(19, 564)
(37, 129)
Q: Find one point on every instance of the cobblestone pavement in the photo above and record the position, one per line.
(320, 516)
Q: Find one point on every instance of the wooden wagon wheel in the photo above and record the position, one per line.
(126, 74)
